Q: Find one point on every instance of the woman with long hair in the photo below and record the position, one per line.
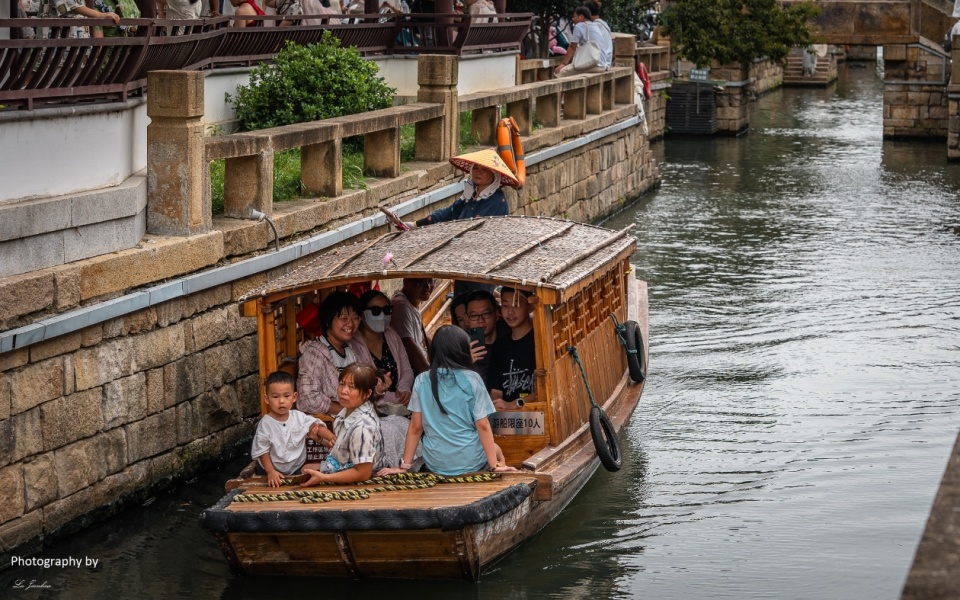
(450, 406)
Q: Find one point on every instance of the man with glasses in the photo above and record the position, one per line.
(407, 323)
(482, 313)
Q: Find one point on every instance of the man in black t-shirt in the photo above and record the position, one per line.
(513, 363)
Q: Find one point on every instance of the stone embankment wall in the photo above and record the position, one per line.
(764, 76)
(915, 99)
(744, 83)
(953, 104)
(108, 413)
(854, 52)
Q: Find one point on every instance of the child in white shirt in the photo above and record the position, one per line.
(279, 445)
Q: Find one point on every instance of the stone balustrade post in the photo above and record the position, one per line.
(483, 125)
(178, 190)
(248, 184)
(437, 77)
(608, 95)
(595, 98)
(381, 153)
(624, 50)
(575, 103)
(321, 167)
(522, 113)
(548, 109)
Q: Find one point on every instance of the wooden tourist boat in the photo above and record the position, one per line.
(581, 275)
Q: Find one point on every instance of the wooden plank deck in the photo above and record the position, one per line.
(443, 495)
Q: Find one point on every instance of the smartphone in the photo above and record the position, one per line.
(477, 335)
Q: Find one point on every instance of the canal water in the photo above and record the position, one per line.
(801, 405)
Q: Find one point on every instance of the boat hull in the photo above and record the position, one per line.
(431, 553)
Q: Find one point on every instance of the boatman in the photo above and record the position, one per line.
(482, 190)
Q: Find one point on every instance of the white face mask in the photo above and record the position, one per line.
(376, 323)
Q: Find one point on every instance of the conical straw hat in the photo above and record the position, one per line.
(489, 159)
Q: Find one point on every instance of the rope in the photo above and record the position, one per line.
(576, 358)
(621, 331)
(388, 483)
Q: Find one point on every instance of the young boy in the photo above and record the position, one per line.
(514, 360)
(279, 445)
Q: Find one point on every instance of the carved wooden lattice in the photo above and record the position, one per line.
(583, 313)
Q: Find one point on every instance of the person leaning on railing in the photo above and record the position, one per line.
(247, 8)
(68, 9)
(185, 9)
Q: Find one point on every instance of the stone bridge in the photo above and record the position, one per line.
(881, 22)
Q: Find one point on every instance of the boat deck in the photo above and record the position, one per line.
(444, 495)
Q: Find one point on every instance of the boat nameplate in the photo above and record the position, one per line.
(518, 423)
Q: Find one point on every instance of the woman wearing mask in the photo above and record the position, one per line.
(380, 346)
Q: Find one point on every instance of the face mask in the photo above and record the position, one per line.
(376, 323)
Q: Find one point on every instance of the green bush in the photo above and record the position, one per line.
(310, 83)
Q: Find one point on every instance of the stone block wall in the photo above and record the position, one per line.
(592, 181)
(765, 76)
(656, 106)
(915, 111)
(859, 52)
(99, 417)
(953, 104)
(953, 122)
(915, 99)
(44, 233)
(114, 410)
(733, 101)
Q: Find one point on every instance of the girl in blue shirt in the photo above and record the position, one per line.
(450, 406)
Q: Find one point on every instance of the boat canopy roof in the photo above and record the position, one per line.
(533, 252)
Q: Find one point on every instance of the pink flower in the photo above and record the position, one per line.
(388, 258)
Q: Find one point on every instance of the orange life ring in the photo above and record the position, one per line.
(510, 148)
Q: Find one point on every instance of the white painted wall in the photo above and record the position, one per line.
(55, 151)
(478, 73)
(216, 85)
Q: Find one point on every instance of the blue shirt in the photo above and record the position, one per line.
(495, 205)
(451, 443)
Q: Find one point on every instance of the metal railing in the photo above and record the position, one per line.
(56, 68)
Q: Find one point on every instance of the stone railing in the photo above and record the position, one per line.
(655, 57)
(180, 198)
(248, 180)
(589, 94)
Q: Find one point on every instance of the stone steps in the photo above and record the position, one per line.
(793, 71)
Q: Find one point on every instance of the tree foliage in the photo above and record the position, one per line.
(310, 83)
(625, 16)
(703, 31)
(547, 12)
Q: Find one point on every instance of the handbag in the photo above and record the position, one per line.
(587, 55)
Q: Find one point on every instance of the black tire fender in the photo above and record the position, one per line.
(635, 358)
(605, 439)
